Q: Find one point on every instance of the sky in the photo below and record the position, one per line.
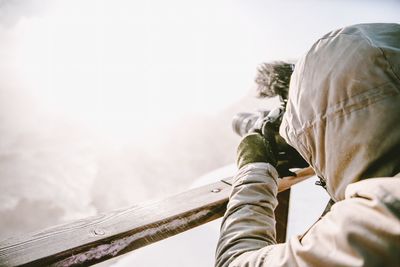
(99, 62)
(104, 104)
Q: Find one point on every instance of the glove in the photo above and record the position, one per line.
(253, 148)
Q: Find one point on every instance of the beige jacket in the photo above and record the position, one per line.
(343, 116)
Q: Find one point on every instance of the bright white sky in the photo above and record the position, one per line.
(128, 67)
(125, 63)
(118, 65)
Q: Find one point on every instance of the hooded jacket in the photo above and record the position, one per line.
(343, 117)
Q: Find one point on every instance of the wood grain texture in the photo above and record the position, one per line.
(95, 239)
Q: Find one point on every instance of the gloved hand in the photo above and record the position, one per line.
(253, 148)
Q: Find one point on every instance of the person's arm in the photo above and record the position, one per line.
(249, 222)
(362, 230)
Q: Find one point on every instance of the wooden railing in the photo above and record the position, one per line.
(96, 239)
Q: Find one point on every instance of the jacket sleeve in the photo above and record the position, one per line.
(362, 230)
(249, 221)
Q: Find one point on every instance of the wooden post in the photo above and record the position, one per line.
(281, 215)
(282, 210)
(96, 239)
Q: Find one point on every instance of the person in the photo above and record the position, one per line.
(342, 116)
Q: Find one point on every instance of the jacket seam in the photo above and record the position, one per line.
(390, 65)
(360, 34)
(347, 109)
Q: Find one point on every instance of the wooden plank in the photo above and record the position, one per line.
(301, 175)
(96, 239)
(92, 240)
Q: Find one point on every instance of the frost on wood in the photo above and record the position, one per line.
(112, 249)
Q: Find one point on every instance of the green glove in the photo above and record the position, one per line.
(255, 148)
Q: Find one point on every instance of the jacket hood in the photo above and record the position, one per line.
(343, 110)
